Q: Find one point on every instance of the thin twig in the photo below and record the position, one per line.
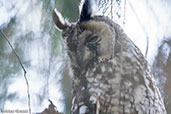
(147, 46)
(28, 93)
(124, 19)
(112, 9)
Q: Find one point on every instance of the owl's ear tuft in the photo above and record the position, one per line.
(59, 21)
(87, 9)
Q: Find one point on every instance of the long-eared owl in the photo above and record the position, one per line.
(110, 74)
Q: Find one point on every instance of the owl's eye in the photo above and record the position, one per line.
(91, 39)
(92, 42)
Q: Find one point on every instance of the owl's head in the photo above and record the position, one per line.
(88, 39)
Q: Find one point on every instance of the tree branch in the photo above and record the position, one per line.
(28, 93)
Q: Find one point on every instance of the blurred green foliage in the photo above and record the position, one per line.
(9, 65)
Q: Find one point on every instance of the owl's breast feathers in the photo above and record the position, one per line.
(119, 81)
(111, 76)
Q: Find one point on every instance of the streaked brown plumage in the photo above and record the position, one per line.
(110, 74)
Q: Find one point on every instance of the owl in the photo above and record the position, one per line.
(110, 74)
